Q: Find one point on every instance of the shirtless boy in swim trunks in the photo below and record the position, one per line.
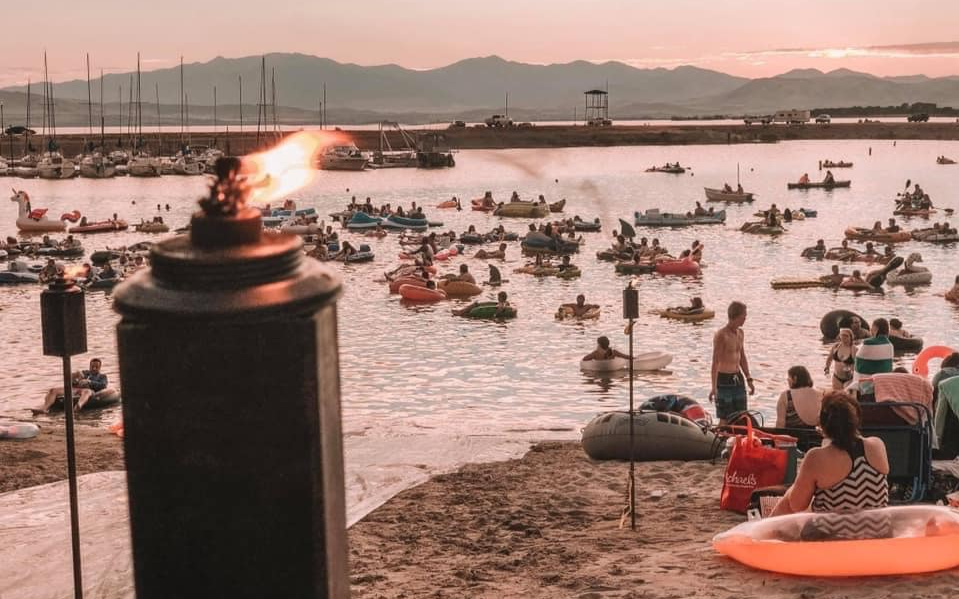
(730, 366)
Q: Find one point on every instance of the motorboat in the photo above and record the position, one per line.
(343, 158)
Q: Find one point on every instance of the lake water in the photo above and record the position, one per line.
(424, 391)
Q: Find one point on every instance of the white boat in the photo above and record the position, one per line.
(189, 165)
(142, 165)
(718, 195)
(652, 360)
(343, 158)
(119, 157)
(97, 166)
(5, 168)
(53, 165)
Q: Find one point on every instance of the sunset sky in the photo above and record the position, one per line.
(743, 37)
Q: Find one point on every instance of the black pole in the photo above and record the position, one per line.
(72, 477)
(632, 458)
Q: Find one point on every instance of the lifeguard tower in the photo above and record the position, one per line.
(597, 108)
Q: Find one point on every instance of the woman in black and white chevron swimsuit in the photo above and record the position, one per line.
(848, 473)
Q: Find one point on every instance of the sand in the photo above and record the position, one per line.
(43, 459)
(545, 525)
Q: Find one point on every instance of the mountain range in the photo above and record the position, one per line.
(470, 89)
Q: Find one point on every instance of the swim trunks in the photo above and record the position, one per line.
(730, 394)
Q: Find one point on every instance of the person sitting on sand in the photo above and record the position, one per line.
(502, 306)
(842, 358)
(799, 405)
(695, 307)
(580, 308)
(499, 254)
(834, 279)
(895, 329)
(85, 384)
(804, 180)
(603, 351)
(833, 478)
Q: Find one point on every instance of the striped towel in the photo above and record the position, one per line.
(874, 356)
(896, 386)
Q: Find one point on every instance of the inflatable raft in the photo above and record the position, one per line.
(419, 293)
(686, 266)
(459, 288)
(794, 283)
(864, 234)
(522, 209)
(882, 542)
(656, 436)
(653, 360)
(487, 311)
(698, 317)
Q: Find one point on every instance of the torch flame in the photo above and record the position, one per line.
(281, 170)
(73, 272)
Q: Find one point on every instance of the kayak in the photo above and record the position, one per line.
(698, 317)
(522, 209)
(795, 283)
(654, 360)
(818, 185)
(673, 170)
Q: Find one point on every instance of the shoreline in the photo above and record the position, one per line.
(547, 136)
(546, 524)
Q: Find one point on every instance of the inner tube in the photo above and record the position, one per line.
(487, 310)
(887, 541)
(460, 288)
(566, 312)
(921, 365)
(421, 294)
(656, 436)
(830, 324)
(906, 344)
(100, 399)
(569, 273)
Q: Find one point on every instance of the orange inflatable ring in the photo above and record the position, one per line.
(900, 540)
(408, 280)
(421, 294)
(921, 365)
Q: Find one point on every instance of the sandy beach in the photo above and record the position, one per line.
(545, 525)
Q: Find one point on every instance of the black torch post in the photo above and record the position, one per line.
(64, 323)
(232, 434)
(631, 313)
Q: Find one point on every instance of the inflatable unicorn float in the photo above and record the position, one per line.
(35, 220)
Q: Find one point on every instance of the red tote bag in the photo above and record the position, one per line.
(751, 465)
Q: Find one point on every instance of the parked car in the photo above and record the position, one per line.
(920, 117)
(763, 120)
(457, 124)
(823, 119)
(499, 120)
(599, 122)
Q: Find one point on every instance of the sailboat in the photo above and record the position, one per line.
(141, 164)
(52, 164)
(94, 165)
(185, 162)
(26, 167)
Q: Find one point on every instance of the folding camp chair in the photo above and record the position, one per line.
(908, 446)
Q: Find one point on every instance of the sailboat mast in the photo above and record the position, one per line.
(214, 116)
(26, 137)
(186, 100)
(89, 99)
(130, 113)
(273, 97)
(240, 78)
(102, 148)
(181, 101)
(156, 88)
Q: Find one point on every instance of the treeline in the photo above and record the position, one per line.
(929, 108)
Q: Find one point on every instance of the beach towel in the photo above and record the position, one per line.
(896, 386)
(874, 356)
(948, 401)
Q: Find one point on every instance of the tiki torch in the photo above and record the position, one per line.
(230, 368)
(631, 313)
(64, 323)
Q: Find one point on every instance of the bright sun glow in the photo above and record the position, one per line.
(291, 165)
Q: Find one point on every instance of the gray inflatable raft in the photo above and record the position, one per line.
(657, 436)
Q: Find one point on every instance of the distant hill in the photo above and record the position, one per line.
(473, 88)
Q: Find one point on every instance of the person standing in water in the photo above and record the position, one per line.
(730, 368)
